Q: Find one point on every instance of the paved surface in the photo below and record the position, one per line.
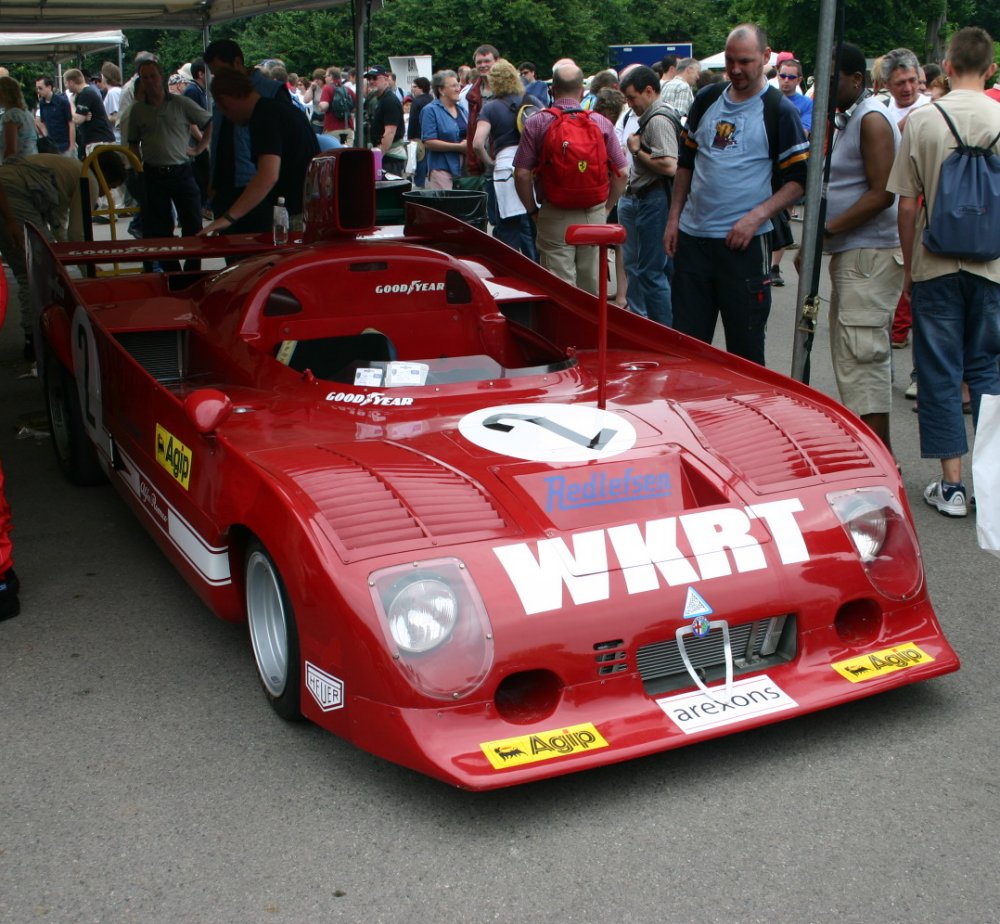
(143, 778)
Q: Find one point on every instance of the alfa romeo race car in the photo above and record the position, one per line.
(476, 525)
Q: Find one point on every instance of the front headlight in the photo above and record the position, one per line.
(422, 614)
(435, 624)
(883, 537)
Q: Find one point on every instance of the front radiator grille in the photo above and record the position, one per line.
(755, 645)
(159, 352)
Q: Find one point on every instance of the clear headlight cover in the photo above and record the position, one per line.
(422, 615)
(435, 625)
(883, 538)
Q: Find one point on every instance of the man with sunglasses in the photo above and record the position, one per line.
(789, 82)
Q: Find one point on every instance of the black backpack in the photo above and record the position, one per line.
(966, 219)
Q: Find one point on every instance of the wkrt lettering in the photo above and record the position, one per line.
(681, 550)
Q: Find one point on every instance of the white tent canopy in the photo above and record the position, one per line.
(50, 15)
(718, 62)
(54, 46)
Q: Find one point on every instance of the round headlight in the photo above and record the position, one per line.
(422, 615)
(868, 532)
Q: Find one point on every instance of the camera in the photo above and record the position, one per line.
(83, 110)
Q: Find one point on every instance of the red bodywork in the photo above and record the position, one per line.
(708, 491)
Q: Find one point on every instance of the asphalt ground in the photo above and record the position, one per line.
(143, 778)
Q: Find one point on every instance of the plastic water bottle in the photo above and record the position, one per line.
(280, 222)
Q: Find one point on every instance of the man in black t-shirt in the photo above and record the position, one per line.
(282, 143)
(92, 123)
(388, 133)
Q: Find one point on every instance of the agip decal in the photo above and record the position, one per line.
(683, 550)
(174, 456)
(876, 663)
(529, 749)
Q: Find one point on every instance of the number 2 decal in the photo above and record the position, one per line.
(549, 432)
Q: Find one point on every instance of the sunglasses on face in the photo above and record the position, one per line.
(789, 76)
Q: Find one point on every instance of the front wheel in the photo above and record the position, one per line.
(75, 453)
(272, 633)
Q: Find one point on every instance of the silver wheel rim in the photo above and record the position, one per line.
(268, 623)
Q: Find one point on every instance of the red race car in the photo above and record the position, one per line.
(474, 525)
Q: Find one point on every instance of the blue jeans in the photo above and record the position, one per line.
(645, 220)
(956, 338)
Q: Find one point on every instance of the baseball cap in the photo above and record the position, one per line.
(784, 56)
(376, 71)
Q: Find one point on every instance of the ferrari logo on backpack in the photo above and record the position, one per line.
(581, 165)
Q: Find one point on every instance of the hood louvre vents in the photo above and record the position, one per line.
(395, 496)
(781, 440)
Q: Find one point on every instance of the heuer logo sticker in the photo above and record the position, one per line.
(549, 432)
(681, 550)
(746, 699)
(174, 456)
(877, 663)
(327, 690)
(529, 749)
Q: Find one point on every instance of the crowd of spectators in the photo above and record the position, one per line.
(705, 169)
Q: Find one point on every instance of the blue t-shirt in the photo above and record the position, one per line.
(805, 106)
(727, 146)
(56, 115)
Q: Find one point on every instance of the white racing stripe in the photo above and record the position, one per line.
(211, 562)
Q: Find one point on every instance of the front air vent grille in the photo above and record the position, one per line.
(159, 352)
(755, 646)
(611, 657)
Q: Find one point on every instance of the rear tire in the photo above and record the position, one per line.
(75, 453)
(273, 634)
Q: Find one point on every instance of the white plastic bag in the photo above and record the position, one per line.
(986, 474)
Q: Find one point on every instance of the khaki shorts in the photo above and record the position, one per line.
(865, 286)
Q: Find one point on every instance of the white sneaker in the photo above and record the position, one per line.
(949, 499)
(911, 391)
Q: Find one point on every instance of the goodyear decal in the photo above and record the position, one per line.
(174, 456)
(877, 663)
(680, 550)
(529, 749)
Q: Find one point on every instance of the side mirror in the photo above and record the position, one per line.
(207, 408)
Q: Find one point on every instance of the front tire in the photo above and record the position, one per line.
(75, 453)
(273, 634)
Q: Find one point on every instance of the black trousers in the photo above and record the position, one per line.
(711, 280)
(167, 189)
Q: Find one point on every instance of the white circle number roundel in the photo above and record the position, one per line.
(549, 432)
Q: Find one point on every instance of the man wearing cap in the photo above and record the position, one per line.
(388, 133)
(159, 129)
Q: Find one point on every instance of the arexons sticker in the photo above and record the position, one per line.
(549, 432)
(174, 456)
(746, 699)
(529, 749)
(682, 550)
(327, 690)
(876, 663)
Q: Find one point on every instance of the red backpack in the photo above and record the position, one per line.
(574, 162)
